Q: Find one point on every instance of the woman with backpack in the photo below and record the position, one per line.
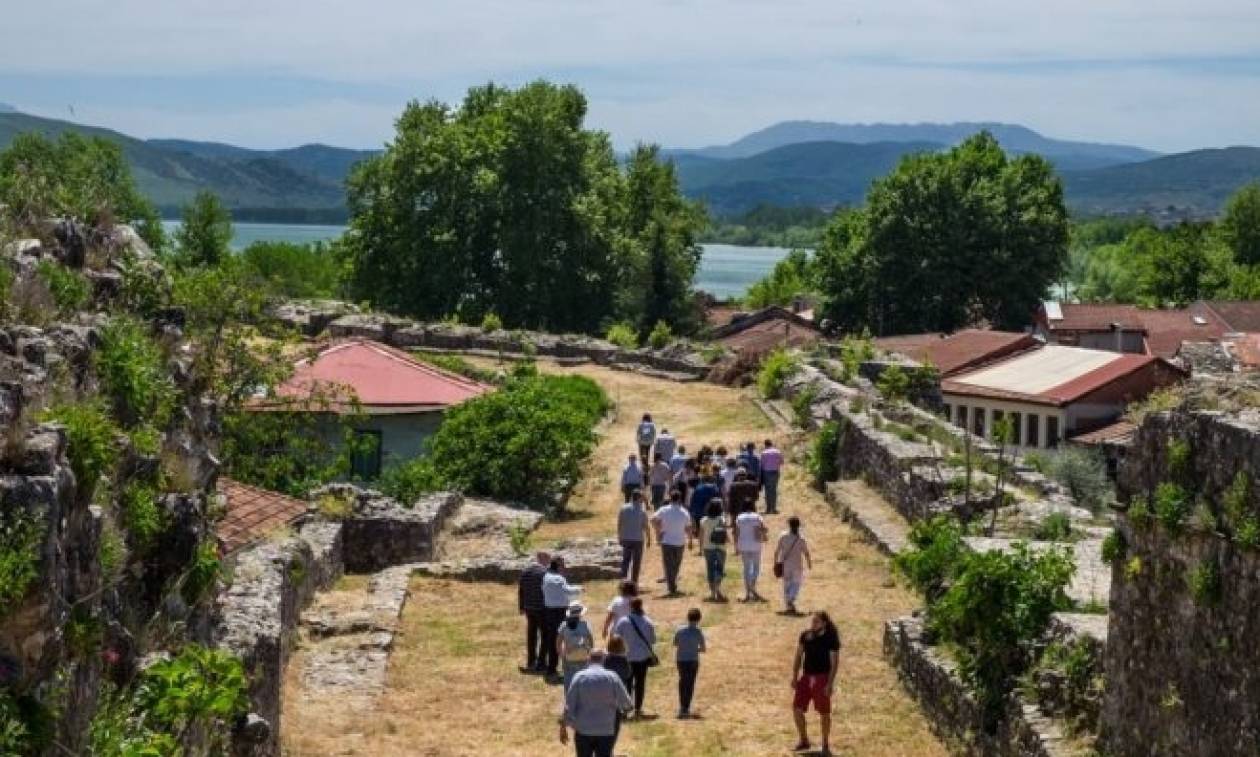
(791, 557)
(713, 540)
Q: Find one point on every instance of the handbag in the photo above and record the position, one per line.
(778, 564)
(653, 661)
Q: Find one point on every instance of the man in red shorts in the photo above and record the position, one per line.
(814, 677)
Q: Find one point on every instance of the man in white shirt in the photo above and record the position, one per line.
(674, 532)
(750, 534)
(557, 594)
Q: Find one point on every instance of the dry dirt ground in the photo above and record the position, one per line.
(454, 688)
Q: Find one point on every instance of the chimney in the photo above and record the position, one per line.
(1118, 330)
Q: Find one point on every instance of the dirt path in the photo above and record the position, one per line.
(453, 682)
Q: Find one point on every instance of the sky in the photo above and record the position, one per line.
(1164, 75)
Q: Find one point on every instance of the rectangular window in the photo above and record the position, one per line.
(961, 421)
(1032, 431)
(947, 411)
(1052, 430)
(365, 458)
(978, 422)
(1016, 418)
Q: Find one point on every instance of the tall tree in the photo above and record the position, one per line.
(205, 236)
(508, 204)
(949, 239)
(1240, 224)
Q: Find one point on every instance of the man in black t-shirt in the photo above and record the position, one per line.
(814, 677)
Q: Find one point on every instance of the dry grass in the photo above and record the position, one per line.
(454, 687)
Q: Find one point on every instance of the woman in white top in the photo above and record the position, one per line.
(620, 606)
(792, 553)
(750, 534)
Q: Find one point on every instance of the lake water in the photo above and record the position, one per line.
(725, 270)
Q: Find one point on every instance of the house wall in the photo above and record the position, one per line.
(989, 406)
(402, 436)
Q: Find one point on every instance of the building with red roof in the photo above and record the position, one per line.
(1053, 392)
(251, 514)
(397, 400)
(1129, 328)
(960, 351)
(764, 330)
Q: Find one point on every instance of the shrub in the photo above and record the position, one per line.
(146, 440)
(893, 384)
(69, 290)
(1133, 568)
(823, 463)
(660, 335)
(1055, 527)
(623, 335)
(935, 554)
(90, 435)
(141, 516)
(294, 270)
(853, 352)
(6, 283)
(802, 406)
(520, 539)
(1114, 548)
(1179, 467)
(1171, 505)
(998, 603)
(776, 368)
(335, 507)
(21, 537)
(198, 687)
(491, 322)
(1083, 473)
(202, 574)
(1139, 513)
(133, 374)
(457, 364)
(1167, 398)
(26, 725)
(113, 552)
(490, 445)
(1205, 583)
(1235, 500)
(407, 481)
(1247, 534)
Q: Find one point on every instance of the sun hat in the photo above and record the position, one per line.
(576, 610)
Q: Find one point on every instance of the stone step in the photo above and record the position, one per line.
(870, 515)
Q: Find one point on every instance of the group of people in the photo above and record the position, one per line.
(710, 499)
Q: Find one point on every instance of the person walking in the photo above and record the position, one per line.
(633, 534)
(591, 705)
(678, 459)
(619, 607)
(689, 645)
(659, 478)
(729, 471)
(574, 642)
(557, 593)
(700, 497)
(814, 678)
(640, 635)
(631, 477)
(533, 606)
(616, 662)
(674, 532)
(713, 539)
(750, 534)
(771, 467)
(743, 495)
(748, 459)
(645, 435)
(665, 445)
(791, 557)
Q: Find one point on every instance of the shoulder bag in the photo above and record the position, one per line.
(778, 564)
(653, 661)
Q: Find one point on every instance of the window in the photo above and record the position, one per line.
(962, 416)
(978, 422)
(947, 411)
(1016, 418)
(1052, 431)
(365, 460)
(1032, 431)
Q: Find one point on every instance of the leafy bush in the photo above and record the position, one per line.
(1205, 583)
(69, 290)
(199, 687)
(26, 725)
(935, 554)
(141, 516)
(21, 537)
(525, 442)
(1179, 463)
(133, 374)
(1139, 513)
(998, 603)
(520, 540)
(202, 574)
(776, 368)
(91, 442)
(623, 335)
(1114, 548)
(457, 364)
(802, 406)
(491, 322)
(146, 440)
(1054, 527)
(823, 453)
(853, 352)
(1235, 501)
(893, 384)
(1171, 505)
(1247, 534)
(1160, 400)
(1083, 472)
(294, 270)
(407, 481)
(660, 335)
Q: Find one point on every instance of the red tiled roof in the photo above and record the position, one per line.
(1096, 379)
(253, 513)
(765, 336)
(1120, 432)
(963, 349)
(1064, 393)
(380, 377)
(1090, 317)
(1165, 329)
(1238, 315)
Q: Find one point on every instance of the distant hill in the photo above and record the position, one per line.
(1016, 139)
(281, 183)
(1199, 181)
(819, 174)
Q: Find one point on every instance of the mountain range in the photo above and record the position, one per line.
(805, 163)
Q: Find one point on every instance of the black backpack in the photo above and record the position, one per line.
(718, 534)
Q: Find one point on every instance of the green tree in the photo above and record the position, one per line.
(1240, 224)
(205, 236)
(295, 270)
(948, 239)
(790, 278)
(1177, 266)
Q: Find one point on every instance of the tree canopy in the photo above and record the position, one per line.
(510, 204)
(205, 236)
(945, 240)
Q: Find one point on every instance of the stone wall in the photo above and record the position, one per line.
(380, 532)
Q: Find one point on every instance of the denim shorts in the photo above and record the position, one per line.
(715, 564)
